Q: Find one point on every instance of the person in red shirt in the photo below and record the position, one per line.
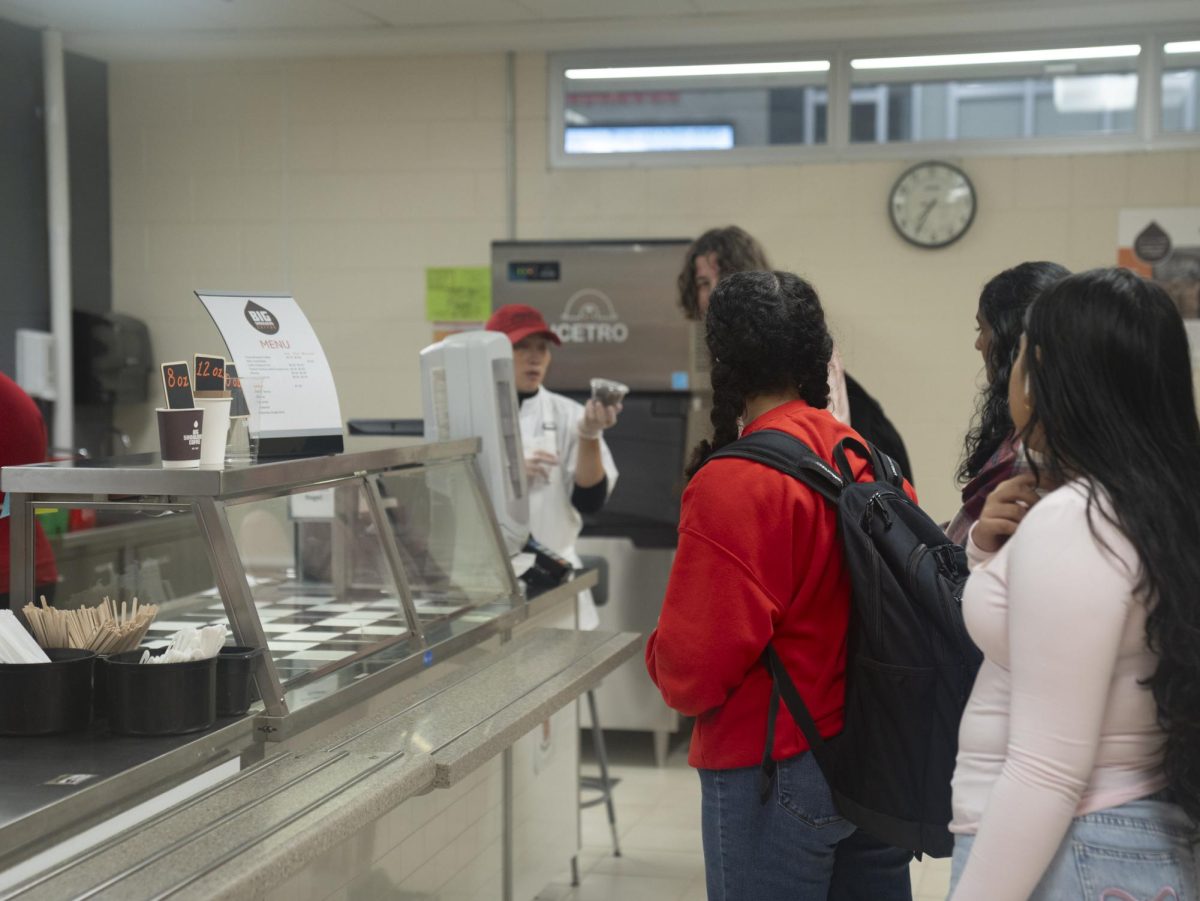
(759, 561)
(22, 441)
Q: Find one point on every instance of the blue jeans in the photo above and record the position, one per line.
(795, 847)
(1138, 851)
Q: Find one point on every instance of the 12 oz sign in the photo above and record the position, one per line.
(210, 373)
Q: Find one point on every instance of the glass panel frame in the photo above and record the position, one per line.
(320, 615)
(215, 514)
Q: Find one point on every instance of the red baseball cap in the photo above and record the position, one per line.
(519, 321)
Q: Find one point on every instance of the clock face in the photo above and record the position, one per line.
(932, 204)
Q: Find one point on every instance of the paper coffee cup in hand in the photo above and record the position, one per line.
(608, 392)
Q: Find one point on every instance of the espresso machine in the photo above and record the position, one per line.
(614, 306)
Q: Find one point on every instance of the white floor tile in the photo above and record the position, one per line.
(934, 883)
(697, 891)
(664, 838)
(642, 862)
(609, 887)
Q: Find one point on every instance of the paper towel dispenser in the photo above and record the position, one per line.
(113, 360)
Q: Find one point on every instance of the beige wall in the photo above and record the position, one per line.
(340, 180)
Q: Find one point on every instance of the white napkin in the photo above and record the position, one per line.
(16, 644)
(190, 644)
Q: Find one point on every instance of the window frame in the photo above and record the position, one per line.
(1146, 135)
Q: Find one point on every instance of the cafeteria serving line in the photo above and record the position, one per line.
(403, 672)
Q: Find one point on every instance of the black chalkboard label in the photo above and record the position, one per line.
(210, 373)
(177, 385)
(233, 384)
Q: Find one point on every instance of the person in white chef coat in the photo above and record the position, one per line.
(569, 467)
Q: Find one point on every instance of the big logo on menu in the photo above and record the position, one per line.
(261, 318)
(590, 318)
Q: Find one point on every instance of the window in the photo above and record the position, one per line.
(750, 105)
(994, 96)
(1180, 107)
(715, 107)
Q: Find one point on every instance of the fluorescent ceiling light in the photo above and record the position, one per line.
(816, 65)
(1010, 56)
(1182, 47)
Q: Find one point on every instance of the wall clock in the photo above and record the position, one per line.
(932, 204)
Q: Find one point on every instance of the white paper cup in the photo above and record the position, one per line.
(216, 429)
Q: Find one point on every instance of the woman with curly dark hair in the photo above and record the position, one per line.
(990, 449)
(759, 562)
(1078, 773)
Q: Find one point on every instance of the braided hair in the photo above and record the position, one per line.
(766, 333)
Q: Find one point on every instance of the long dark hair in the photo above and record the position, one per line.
(1002, 304)
(766, 332)
(736, 251)
(1111, 382)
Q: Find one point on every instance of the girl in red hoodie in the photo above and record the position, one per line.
(759, 561)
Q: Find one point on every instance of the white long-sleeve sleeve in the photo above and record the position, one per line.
(1063, 666)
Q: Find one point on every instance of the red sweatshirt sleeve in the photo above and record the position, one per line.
(727, 589)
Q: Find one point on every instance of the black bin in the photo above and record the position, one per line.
(235, 679)
(45, 698)
(159, 698)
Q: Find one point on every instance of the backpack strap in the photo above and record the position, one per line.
(884, 467)
(782, 686)
(789, 455)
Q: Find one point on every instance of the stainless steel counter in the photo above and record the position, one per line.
(129, 770)
(431, 669)
(143, 475)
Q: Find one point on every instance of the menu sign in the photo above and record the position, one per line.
(177, 386)
(285, 378)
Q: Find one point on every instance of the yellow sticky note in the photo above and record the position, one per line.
(458, 294)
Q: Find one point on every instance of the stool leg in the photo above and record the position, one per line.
(662, 743)
(602, 759)
(575, 871)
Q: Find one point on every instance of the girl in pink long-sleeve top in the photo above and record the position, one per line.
(1078, 771)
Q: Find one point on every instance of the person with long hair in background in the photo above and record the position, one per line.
(723, 251)
(1078, 771)
(759, 562)
(990, 449)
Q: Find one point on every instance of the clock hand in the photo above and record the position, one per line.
(925, 214)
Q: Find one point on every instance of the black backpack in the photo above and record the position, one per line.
(910, 664)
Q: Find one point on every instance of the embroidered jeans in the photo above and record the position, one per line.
(1135, 852)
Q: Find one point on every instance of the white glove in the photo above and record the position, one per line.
(538, 465)
(596, 418)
